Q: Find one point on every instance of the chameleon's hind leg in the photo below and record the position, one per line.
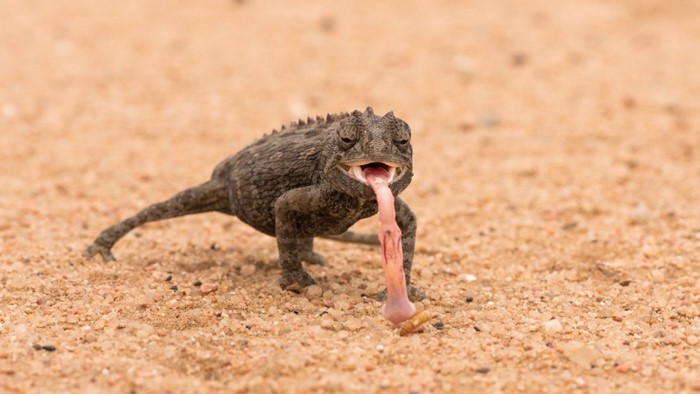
(306, 250)
(209, 196)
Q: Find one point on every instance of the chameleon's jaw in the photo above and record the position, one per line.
(355, 170)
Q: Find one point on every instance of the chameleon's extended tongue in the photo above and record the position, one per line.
(398, 307)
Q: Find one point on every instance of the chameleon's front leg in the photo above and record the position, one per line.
(290, 262)
(293, 232)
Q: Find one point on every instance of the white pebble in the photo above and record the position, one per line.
(247, 270)
(551, 326)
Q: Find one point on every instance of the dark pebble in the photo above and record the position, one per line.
(173, 288)
(625, 283)
(214, 246)
(569, 226)
(470, 298)
(168, 278)
(518, 59)
(197, 283)
(439, 325)
(49, 348)
(483, 370)
(477, 329)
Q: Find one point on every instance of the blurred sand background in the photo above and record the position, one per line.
(557, 159)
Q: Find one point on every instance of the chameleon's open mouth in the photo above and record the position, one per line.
(356, 170)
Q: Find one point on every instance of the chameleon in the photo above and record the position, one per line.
(307, 180)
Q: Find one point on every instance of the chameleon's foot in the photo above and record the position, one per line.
(414, 294)
(104, 251)
(300, 278)
(314, 258)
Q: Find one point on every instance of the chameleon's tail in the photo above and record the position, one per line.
(207, 197)
(358, 238)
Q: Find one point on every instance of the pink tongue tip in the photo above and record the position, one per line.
(398, 312)
(398, 307)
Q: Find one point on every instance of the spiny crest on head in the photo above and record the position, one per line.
(321, 121)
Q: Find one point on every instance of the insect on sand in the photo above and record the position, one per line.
(415, 322)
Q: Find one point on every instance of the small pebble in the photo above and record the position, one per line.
(168, 278)
(551, 326)
(48, 348)
(247, 270)
(353, 324)
(617, 318)
(477, 329)
(639, 215)
(314, 291)
(197, 283)
(173, 288)
(209, 288)
(692, 340)
(327, 323)
(518, 59)
(439, 325)
(483, 370)
(470, 299)
(489, 120)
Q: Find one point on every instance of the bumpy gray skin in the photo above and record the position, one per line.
(295, 185)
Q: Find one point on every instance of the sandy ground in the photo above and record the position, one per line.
(557, 156)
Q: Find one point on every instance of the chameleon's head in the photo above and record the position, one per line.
(363, 141)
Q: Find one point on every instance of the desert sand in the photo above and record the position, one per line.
(557, 189)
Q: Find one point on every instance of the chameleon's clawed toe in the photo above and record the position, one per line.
(300, 277)
(381, 296)
(104, 251)
(416, 294)
(314, 258)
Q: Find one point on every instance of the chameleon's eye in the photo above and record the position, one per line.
(347, 138)
(402, 139)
